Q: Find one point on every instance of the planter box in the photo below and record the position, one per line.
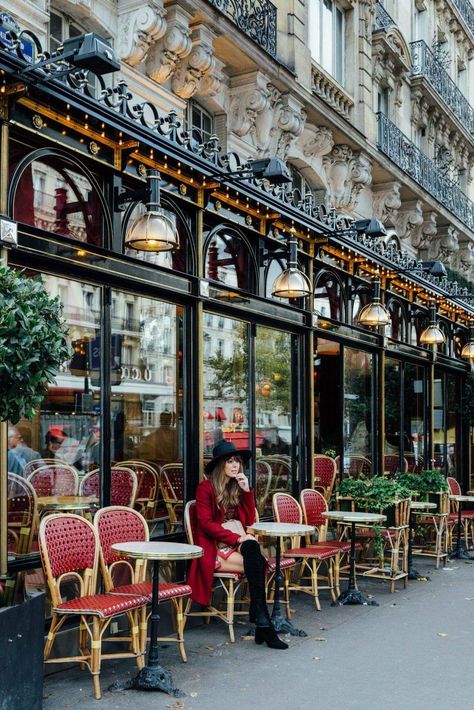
(21, 654)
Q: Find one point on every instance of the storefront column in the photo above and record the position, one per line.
(308, 374)
(3, 262)
(430, 403)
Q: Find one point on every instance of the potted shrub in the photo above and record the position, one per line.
(429, 485)
(33, 345)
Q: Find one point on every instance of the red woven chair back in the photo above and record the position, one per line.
(286, 509)
(68, 543)
(392, 464)
(55, 480)
(324, 472)
(115, 524)
(37, 463)
(147, 481)
(21, 505)
(122, 490)
(172, 481)
(313, 505)
(454, 487)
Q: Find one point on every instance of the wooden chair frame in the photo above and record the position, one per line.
(438, 523)
(92, 627)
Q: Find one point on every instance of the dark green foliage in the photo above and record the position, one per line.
(33, 344)
(424, 482)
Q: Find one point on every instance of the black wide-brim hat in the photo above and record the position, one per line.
(224, 450)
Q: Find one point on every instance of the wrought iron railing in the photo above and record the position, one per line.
(425, 63)
(383, 21)
(466, 9)
(256, 18)
(418, 166)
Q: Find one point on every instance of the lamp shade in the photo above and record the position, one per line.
(291, 283)
(153, 231)
(374, 313)
(432, 335)
(468, 349)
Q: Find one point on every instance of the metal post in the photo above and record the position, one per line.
(3, 425)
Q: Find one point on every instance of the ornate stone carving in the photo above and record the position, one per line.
(445, 247)
(386, 201)
(316, 141)
(140, 25)
(426, 232)
(176, 44)
(212, 82)
(271, 119)
(346, 174)
(409, 219)
(199, 62)
(465, 256)
(419, 109)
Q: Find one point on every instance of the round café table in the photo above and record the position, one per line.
(352, 595)
(279, 530)
(65, 503)
(416, 506)
(460, 552)
(153, 676)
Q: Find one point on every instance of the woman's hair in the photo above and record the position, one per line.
(227, 489)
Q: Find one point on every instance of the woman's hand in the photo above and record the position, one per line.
(243, 482)
(244, 538)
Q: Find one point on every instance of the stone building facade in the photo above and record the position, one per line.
(369, 102)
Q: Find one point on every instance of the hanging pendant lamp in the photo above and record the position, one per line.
(153, 231)
(468, 349)
(374, 313)
(432, 335)
(292, 283)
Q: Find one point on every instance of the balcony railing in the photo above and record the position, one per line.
(418, 166)
(426, 64)
(467, 11)
(383, 21)
(256, 18)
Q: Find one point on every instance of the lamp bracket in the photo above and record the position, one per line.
(122, 197)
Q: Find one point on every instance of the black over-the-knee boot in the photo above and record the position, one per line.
(254, 568)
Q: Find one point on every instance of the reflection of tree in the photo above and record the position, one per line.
(358, 407)
(230, 377)
(392, 394)
(273, 371)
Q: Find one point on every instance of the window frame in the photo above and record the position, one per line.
(316, 21)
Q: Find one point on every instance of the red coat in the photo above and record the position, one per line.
(208, 530)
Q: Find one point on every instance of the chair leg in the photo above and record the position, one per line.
(314, 582)
(230, 610)
(331, 575)
(96, 644)
(180, 622)
(56, 623)
(83, 636)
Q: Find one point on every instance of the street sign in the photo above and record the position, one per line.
(8, 24)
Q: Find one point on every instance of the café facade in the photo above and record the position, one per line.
(176, 349)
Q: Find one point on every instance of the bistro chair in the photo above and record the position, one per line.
(228, 582)
(172, 488)
(148, 490)
(69, 547)
(414, 463)
(287, 510)
(392, 464)
(467, 516)
(324, 474)
(55, 480)
(432, 539)
(123, 487)
(357, 466)
(116, 524)
(21, 526)
(262, 486)
(36, 463)
(313, 505)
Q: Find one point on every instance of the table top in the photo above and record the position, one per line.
(422, 505)
(158, 550)
(347, 516)
(281, 529)
(461, 499)
(66, 502)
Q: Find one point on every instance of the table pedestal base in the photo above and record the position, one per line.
(460, 554)
(353, 596)
(283, 626)
(156, 678)
(413, 574)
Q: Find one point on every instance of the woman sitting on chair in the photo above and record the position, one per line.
(225, 506)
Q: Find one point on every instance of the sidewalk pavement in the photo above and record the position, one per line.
(413, 652)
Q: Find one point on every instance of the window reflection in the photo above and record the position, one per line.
(272, 415)
(227, 260)
(55, 196)
(328, 298)
(225, 381)
(392, 463)
(357, 412)
(327, 390)
(413, 416)
(397, 326)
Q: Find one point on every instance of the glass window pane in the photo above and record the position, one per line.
(452, 386)
(273, 415)
(413, 416)
(439, 423)
(314, 34)
(327, 390)
(328, 297)
(327, 41)
(357, 412)
(225, 378)
(393, 427)
(227, 261)
(59, 199)
(339, 46)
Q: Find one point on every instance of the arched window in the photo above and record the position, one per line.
(329, 296)
(299, 181)
(51, 191)
(227, 259)
(361, 297)
(179, 259)
(445, 348)
(419, 323)
(397, 328)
